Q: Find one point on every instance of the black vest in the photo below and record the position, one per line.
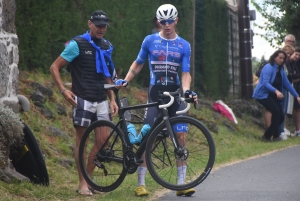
(86, 82)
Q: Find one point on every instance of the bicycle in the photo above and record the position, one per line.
(105, 167)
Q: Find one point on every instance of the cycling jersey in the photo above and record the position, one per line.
(165, 58)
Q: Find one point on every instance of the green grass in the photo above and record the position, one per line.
(230, 147)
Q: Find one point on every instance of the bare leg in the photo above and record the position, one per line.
(83, 186)
(268, 117)
(101, 135)
(297, 119)
(182, 141)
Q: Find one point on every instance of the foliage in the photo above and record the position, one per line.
(211, 67)
(44, 26)
(11, 132)
(282, 17)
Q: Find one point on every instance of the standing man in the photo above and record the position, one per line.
(167, 53)
(290, 39)
(91, 66)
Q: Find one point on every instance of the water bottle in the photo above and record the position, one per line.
(132, 134)
(144, 131)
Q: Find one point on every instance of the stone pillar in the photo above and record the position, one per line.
(9, 55)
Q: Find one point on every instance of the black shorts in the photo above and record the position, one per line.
(152, 112)
(296, 104)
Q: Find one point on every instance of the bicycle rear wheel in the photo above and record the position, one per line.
(101, 156)
(196, 155)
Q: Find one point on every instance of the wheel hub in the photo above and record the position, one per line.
(182, 154)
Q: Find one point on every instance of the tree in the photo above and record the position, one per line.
(282, 17)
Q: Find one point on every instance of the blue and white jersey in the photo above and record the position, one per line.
(166, 56)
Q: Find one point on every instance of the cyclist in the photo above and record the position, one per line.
(166, 51)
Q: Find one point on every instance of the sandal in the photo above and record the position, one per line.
(84, 192)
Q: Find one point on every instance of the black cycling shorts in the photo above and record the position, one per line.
(152, 112)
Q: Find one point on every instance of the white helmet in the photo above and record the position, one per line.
(166, 12)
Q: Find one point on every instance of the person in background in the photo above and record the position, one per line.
(290, 40)
(294, 76)
(268, 93)
(156, 25)
(91, 66)
(168, 54)
(287, 102)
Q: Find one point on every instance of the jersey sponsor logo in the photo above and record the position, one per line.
(181, 127)
(88, 52)
(164, 80)
(157, 41)
(162, 68)
(163, 52)
(162, 58)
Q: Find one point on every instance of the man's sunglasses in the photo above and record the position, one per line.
(164, 22)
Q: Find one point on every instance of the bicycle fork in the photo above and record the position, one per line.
(180, 151)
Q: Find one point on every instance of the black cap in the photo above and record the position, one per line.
(99, 17)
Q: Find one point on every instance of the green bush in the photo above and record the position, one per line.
(44, 26)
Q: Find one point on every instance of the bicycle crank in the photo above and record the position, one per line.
(130, 162)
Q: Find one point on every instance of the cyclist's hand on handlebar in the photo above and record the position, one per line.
(121, 83)
(191, 94)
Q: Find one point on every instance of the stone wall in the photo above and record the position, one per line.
(9, 55)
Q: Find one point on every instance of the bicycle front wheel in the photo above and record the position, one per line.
(101, 156)
(186, 167)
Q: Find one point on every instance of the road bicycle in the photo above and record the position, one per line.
(106, 154)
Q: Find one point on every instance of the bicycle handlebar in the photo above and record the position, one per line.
(170, 94)
(188, 106)
(169, 103)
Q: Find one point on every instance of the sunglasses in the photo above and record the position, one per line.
(164, 22)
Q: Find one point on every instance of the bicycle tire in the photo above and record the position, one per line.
(198, 154)
(102, 168)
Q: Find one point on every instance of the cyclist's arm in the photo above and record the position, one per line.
(186, 80)
(134, 69)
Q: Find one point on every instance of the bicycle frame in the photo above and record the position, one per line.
(162, 116)
(166, 147)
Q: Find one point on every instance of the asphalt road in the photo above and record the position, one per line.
(271, 177)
